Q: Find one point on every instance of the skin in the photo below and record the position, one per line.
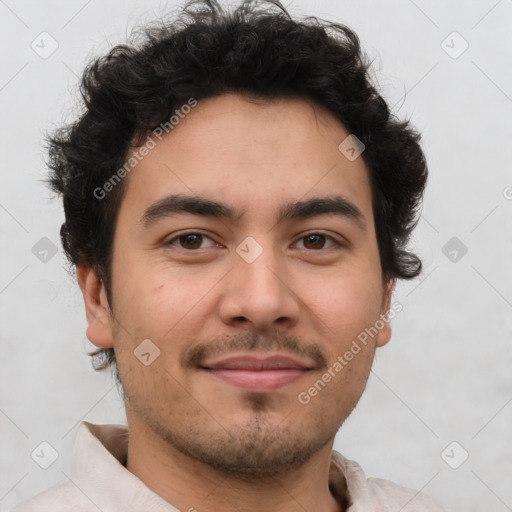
(299, 297)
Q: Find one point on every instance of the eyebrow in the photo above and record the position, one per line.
(176, 204)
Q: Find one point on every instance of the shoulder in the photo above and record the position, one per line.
(378, 494)
(62, 497)
(393, 495)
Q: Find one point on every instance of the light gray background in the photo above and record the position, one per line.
(444, 377)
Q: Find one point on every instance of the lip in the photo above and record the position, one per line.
(258, 374)
(257, 363)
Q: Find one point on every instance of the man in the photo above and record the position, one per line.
(238, 202)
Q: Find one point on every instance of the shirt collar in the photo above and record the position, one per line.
(98, 470)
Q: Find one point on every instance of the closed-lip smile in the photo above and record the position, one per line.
(258, 373)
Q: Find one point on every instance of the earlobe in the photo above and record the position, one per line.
(385, 333)
(99, 329)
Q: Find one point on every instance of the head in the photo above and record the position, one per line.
(212, 209)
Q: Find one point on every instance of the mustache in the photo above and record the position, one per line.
(276, 341)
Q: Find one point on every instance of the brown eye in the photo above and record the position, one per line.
(317, 241)
(189, 241)
(314, 241)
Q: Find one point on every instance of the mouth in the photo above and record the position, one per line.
(258, 374)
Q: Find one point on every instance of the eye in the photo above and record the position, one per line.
(189, 241)
(316, 241)
(194, 241)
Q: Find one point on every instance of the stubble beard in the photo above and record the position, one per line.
(258, 449)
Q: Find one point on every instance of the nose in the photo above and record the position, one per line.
(259, 295)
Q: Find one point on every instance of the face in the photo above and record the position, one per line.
(247, 288)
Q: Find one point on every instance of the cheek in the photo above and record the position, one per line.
(153, 299)
(346, 304)
(168, 312)
(334, 393)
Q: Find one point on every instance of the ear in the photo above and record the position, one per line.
(97, 310)
(385, 333)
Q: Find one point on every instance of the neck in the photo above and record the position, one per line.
(192, 486)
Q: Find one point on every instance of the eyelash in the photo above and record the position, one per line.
(327, 237)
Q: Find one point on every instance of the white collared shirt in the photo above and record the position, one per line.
(99, 481)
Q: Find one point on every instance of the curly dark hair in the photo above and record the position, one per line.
(256, 50)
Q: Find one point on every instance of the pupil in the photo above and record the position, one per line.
(192, 239)
(315, 239)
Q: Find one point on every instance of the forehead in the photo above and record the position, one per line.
(250, 153)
